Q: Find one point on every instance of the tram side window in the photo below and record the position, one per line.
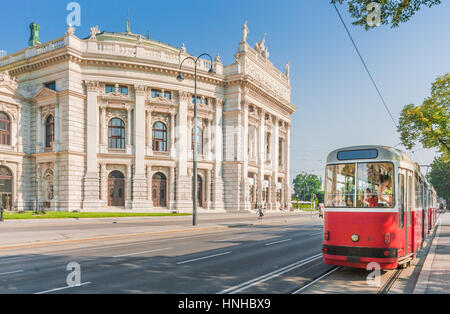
(418, 193)
(340, 186)
(375, 185)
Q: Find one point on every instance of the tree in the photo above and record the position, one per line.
(429, 123)
(439, 177)
(392, 12)
(305, 185)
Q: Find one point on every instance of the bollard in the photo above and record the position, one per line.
(1, 214)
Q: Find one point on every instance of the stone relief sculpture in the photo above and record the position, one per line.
(288, 69)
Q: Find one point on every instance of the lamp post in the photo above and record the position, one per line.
(180, 78)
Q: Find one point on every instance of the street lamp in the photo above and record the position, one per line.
(180, 78)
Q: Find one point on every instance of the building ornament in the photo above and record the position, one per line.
(261, 48)
(94, 31)
(245, 32)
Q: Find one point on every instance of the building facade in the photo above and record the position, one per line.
(103, 123)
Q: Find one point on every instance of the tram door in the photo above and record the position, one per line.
(402, 211)
(409, 206)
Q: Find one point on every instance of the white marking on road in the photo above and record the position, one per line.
(270, 275)
(140, 253)
(231, 239)
(200, 258)
(63, 288)
(272, 243)
(12, 272)
(320, 278)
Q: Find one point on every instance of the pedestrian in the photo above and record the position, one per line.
(260, 213)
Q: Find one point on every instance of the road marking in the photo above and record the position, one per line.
(313, 282)
(205, 257)
(12, 272)
(231, 239)
(139, 253)
(63, 288)
(272, 243)
(270, 275)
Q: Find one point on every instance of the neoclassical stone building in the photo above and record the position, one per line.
(103, 123)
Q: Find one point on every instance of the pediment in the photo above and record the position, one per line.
(45, 92)
(10, 92)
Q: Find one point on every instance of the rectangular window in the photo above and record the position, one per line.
(358, 154)
(109, 89)
(168, 95)
(340, 185)
(156, 93)
(123, 90)
(375, 185)
(51, 85)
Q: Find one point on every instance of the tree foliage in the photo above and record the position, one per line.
(429, 123)
(305, 185)
(393, 12)
(439, 177)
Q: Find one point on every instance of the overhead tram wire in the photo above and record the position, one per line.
(365, 66)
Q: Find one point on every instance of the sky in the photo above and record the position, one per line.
(337, 103)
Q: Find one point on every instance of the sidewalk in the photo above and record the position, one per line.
(20, 233)
(435, 275)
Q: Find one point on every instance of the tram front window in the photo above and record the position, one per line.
(340, 186)
(375, 185)
(372, 182)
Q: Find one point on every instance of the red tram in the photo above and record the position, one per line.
(378, 207)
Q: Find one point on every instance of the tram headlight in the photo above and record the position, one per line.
(355, 238)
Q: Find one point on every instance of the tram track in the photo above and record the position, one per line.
(387, 285)
(300, 290)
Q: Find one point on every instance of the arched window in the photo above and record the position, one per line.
(5, 129)
(49, 131)
(199, 140)
(116, 133)
(159, 137)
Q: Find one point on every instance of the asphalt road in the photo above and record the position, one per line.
(265, 258)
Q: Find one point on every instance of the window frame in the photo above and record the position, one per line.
(394, 189)
(116, 138)
(159, 141)
(6, 132)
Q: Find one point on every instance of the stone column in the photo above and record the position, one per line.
(218, 192)
(172, 187)
(287, 188)
(262, 155)
(129, 187)
(149, 133)
(275, 144)
(128, 131)
(208, 190)
(183, 181)
(56, 184)
(38, 129)
(104, 179)
(57, 145)
(244, 201)
(38, 185)
(208, 145)
(91, 180)
(172, 135)
(139, 180)
(104, 131)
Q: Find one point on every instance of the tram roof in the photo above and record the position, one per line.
(383, 153)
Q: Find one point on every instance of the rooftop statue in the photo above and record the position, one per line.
(245, 32)
(261, 47)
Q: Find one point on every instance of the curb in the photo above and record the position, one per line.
(131, 235)
(422, 281)
(111, 237)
